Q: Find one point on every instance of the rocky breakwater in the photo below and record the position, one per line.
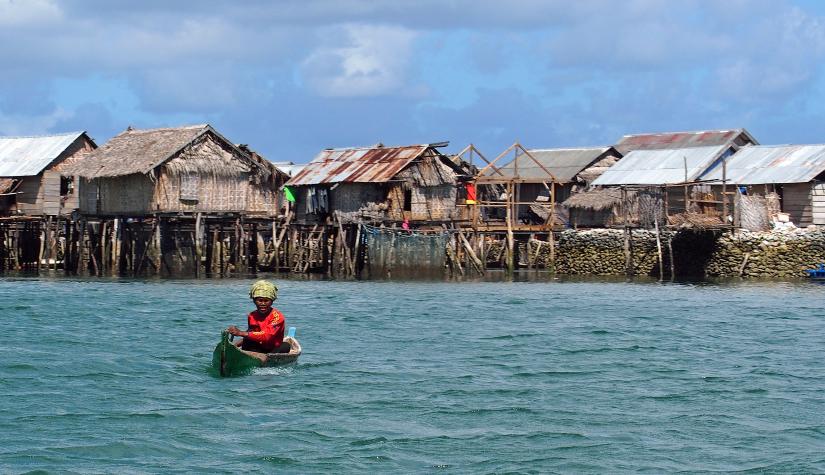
(602, 252)
(785, 253)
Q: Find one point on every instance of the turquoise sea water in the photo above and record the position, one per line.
(108, 376)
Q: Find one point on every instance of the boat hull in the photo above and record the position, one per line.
(229, 360)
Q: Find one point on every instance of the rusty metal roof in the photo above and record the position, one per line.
(662, 167)
(762, 164)
(670, 140)
(357, 165)
(28, 156)
(563, 163)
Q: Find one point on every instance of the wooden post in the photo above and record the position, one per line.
(198, 249)
(552, 238)
(510, 240)
(687, 192)
(94, 247)
(479, 266)
(724, 191)
(115, 251)
(43, 236)
(356, 254)
(659, 250)
(672, 262)
(103, 245)
(160, 230)
(221, 259)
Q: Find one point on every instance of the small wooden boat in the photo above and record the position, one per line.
(229, 360)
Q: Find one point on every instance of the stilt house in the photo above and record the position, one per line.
(417, 183)
(177, 170)
(30, 173)
(657, 171)
(567, 166)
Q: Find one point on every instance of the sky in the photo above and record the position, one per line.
(290, 78)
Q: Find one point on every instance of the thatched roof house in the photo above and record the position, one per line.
(415, 182)
(30, 173)
(173, 170)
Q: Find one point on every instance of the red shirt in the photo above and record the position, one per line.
(268, 331)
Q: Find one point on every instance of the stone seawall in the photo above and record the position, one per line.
(694, 253)
(777, 254)
(601, 252)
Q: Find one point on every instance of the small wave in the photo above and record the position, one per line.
(321, 364)
(21, 366)
(366, 442)
(565, 374)
(279, 460)
(274, 371)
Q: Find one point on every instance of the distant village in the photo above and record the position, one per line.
(189, 201)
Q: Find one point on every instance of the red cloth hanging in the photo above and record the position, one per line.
(471, 193)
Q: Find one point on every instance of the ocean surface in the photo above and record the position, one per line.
(548, 376)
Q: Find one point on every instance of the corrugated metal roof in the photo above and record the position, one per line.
(357, 165)
(660, 167)
(701, 138)
(563, 163)
(28, 156)
(759, 164)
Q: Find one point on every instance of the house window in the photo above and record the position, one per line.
(66, 185)
(189, 185)
(407, 200)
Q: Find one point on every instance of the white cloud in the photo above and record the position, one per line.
(28, 124)
(27, 12)
(374, 61)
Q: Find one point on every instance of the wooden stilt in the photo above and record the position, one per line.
(198, 250)
(659, 250)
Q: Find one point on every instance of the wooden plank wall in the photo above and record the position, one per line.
(28, 199)
(818, 203)
(50, 193)
(796, 201)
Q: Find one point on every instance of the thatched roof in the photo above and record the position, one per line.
(6, 184)
(591, 173)
(596, 200)
(695, 221)
(141, 151)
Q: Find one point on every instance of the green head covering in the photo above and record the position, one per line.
(263, 288)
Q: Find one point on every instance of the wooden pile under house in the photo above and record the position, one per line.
(378, 184)
(31, 169)
(191, 169)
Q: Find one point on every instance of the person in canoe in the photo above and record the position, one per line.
(265, 324)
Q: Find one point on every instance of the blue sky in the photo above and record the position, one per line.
(292, 77)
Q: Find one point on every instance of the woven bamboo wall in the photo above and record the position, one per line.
(215, 193)
(129, 194)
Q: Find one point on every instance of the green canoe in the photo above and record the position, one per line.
(229, 360)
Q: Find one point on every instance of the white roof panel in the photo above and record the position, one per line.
(661, 167)
(763, 164)
(28, 156)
